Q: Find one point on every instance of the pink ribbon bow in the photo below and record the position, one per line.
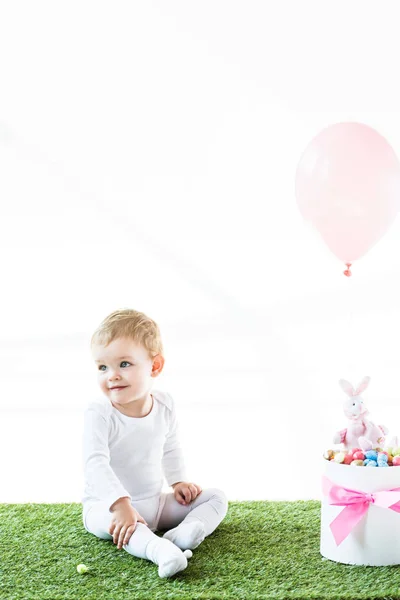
(356, 504)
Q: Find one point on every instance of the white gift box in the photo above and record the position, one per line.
(375, 539)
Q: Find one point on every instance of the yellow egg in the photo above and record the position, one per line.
(339, 457)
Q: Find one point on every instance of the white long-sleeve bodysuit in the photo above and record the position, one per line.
(128, 456)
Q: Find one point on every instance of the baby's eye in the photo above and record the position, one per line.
(124, 361)
(354, 403)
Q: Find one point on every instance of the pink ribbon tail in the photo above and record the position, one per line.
(346, 520)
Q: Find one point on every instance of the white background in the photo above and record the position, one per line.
(147, 160)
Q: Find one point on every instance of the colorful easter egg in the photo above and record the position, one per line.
(359, 455)
(354, 450)
(347, 459)
(328, 454)
(371, 454)
(339, 457)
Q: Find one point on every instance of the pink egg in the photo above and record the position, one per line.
(348, 459)
(359, 455)
(355, 450)
(396, 461)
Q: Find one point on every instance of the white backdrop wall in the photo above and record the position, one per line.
(147, 160)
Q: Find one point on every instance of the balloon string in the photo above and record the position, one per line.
(350, 327)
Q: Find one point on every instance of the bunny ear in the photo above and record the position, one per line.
(347, 387)
(363, 385)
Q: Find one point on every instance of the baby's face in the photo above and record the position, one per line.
(127, 364)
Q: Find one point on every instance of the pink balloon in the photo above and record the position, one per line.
(348, 186)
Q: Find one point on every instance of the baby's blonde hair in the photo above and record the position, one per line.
(133, 324)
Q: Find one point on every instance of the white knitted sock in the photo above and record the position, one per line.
(189, 534)
(167, 556)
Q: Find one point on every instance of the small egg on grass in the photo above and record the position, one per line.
(82, 569)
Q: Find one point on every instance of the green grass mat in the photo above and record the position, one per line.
(260, 550)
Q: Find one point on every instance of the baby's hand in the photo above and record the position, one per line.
(123, 521)
(185, 492)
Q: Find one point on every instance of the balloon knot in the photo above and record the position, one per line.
(347, 272)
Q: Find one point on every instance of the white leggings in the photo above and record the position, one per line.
(162, 512)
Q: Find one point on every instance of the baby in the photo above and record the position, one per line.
(130, 440)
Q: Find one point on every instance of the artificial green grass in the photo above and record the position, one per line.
(260, 550)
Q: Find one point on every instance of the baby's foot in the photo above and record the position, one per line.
(167, 556)
(187, 535)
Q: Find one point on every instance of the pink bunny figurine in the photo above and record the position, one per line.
(360, 432)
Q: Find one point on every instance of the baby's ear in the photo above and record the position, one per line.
(363, 385)
(346, 386)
